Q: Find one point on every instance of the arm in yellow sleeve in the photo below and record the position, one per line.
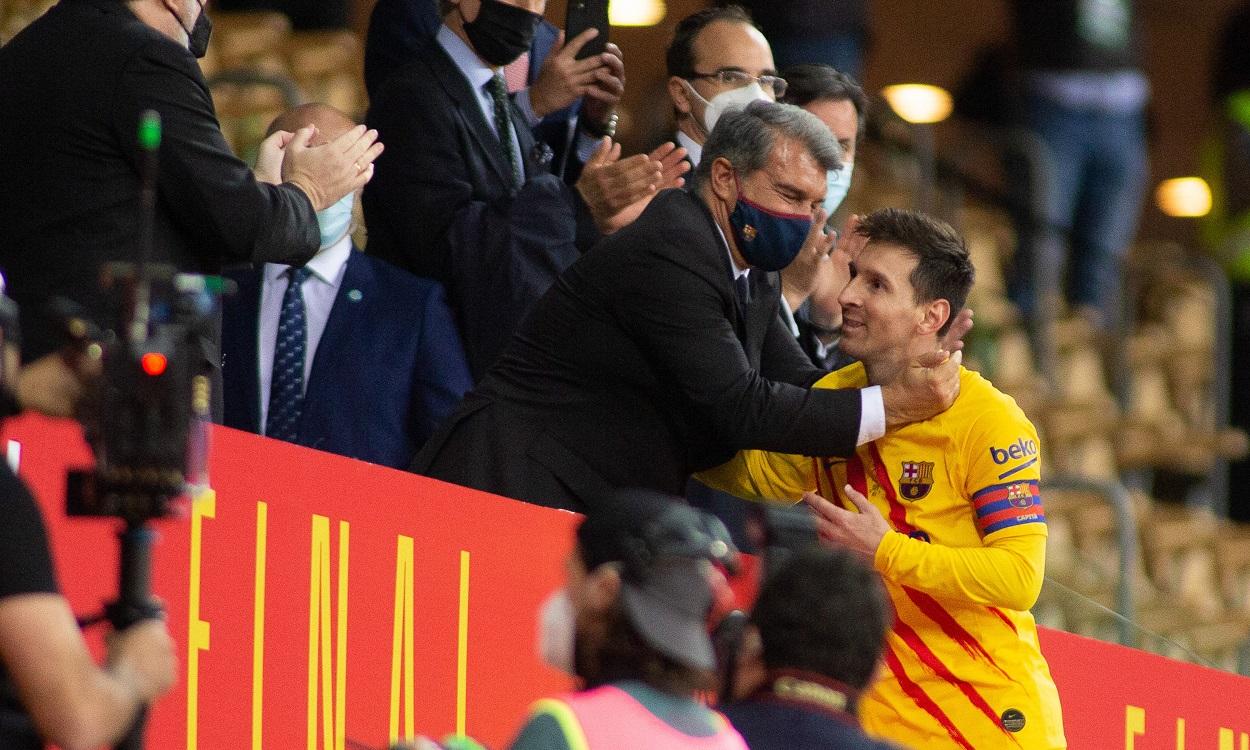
(1006, 573)
(763, 475)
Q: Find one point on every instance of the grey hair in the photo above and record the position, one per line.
(746, 137)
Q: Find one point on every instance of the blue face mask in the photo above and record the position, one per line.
(335, 220)
(838, 182)
(767, 240)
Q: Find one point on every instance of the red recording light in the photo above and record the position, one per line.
(153, 363)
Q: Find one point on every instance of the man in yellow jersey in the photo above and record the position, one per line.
(948, 510)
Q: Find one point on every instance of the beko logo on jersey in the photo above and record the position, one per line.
(1020, 449)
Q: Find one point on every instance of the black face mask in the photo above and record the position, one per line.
(501, 32)
(198, 34)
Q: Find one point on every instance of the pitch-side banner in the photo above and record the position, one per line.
(324, 603)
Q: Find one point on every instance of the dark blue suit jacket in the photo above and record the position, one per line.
(441, 204)
(398, 28)
(388, 369)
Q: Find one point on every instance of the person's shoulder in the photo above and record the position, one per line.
(980, 401)
(404, 287)
(852, 376)
(673, 224)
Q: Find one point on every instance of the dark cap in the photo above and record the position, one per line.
(665, 548)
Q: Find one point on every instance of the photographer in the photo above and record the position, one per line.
(51, 690)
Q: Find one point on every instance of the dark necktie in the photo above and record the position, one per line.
(498, 89)
(743, 288)
(286, 391)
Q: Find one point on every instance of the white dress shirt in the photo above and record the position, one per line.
(319, 290)
(694, 151)
(872, 404)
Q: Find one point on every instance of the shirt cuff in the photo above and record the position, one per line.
(522, 101)
(871, 414)
(788, 314)
(586, 145)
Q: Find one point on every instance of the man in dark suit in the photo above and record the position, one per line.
(398, 28)
(661, 351)
(72, 87)
(382, 364)
(465, 197)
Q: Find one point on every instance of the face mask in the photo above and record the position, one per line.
(557, 632)
(501, 32)
(767, 240)
(727, 100)
(335, 220)
(838, 182)
(198, 34)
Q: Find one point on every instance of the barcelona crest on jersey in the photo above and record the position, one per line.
(916, 480)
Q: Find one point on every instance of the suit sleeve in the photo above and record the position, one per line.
(210, 193)
(1002, 484)
(423, 195)
(679, 320)
(441, 372)
(783, 358)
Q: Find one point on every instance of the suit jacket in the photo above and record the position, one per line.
(388, 369)
(442, 205)
(770, 723)
(398, 28)
(72, 87)
(637, 368)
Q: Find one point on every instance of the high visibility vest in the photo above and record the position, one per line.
(608, 718)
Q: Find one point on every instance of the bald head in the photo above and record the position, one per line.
(330, 122)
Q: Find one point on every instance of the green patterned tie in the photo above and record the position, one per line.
(498, 89)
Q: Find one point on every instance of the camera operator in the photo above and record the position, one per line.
(51, 690)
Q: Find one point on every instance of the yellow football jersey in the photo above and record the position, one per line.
(962, 566)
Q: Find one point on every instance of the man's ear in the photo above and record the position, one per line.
(724, 180)
(603, 587)
(679, 94)
(936, 313)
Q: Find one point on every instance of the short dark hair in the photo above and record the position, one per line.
(824, 611)
(680, 54)
(943, 269)
(816, 82)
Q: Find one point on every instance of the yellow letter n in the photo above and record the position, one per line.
(320, 667)
(402, 643)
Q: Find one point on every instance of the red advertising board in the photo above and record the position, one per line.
(321, 602)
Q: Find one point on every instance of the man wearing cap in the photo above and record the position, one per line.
(632, 623)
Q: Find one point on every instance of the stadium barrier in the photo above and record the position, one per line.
(326, 603)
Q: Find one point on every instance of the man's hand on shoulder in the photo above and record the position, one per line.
(926, 387)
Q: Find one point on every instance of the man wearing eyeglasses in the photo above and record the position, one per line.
(718, 60)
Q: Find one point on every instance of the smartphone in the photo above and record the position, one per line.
(587, 14)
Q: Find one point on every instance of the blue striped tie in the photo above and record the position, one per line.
(286, 391)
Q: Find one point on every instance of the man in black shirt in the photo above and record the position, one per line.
(50, 688)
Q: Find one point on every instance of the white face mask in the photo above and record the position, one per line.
(838, 182)
(727, 100)
(557, 631)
